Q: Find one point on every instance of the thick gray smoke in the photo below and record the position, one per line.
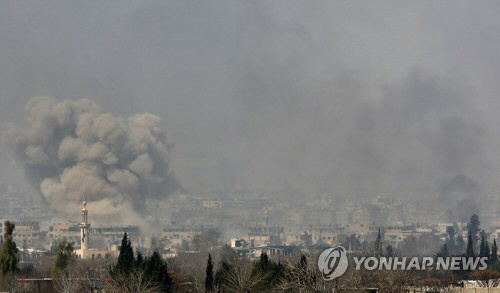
(337, 98)
(73, 150)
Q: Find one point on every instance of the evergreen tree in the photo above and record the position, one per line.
(8, 257)
(460, 245)
(443, 252)
(263, 265)
(450, 230)
(139, 261)
(482, 246)
(272, 271)
(389, 251)
(494, 250)
(222, 272)
(377, 247)
(450, 240)
(473, 227)
(351, 243)
(470, 246)
(126, 258)
(63, 257)
(209, 272)
(156, 269)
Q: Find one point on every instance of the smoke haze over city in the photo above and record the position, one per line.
(354, 100)
(249, 146)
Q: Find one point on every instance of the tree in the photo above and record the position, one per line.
(277, 273)
(377, 247)
(484, 248)
(473, 227)
(241, 277)
(444, 251)
(79, 276)
(150, 273)
(270, 271)
(139, 261)
(136, 281)
(263, 265)
(494, 250)
(389, 251)
(300, 278)
(303, 262)
(352, 243)
(209, 279)
(8, 257)
(63, 257)
(450, 230)
(222, 273)
(460, 245)
(126, 257)
(450, 240)
(470, 246)
(481, 246)
(156, 269)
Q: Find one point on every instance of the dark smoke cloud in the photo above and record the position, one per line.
(459, 195)
(356, 99)
(73, 150)
(421, 135)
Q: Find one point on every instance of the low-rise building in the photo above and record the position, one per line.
(213, 204)
(69, 232)
(27, 234)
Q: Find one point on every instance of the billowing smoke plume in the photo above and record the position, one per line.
(73, 150)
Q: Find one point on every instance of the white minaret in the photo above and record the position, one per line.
(84, 228)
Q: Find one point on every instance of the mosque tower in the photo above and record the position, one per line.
(84, 228)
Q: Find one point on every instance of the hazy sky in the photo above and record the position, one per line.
(362, 97)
